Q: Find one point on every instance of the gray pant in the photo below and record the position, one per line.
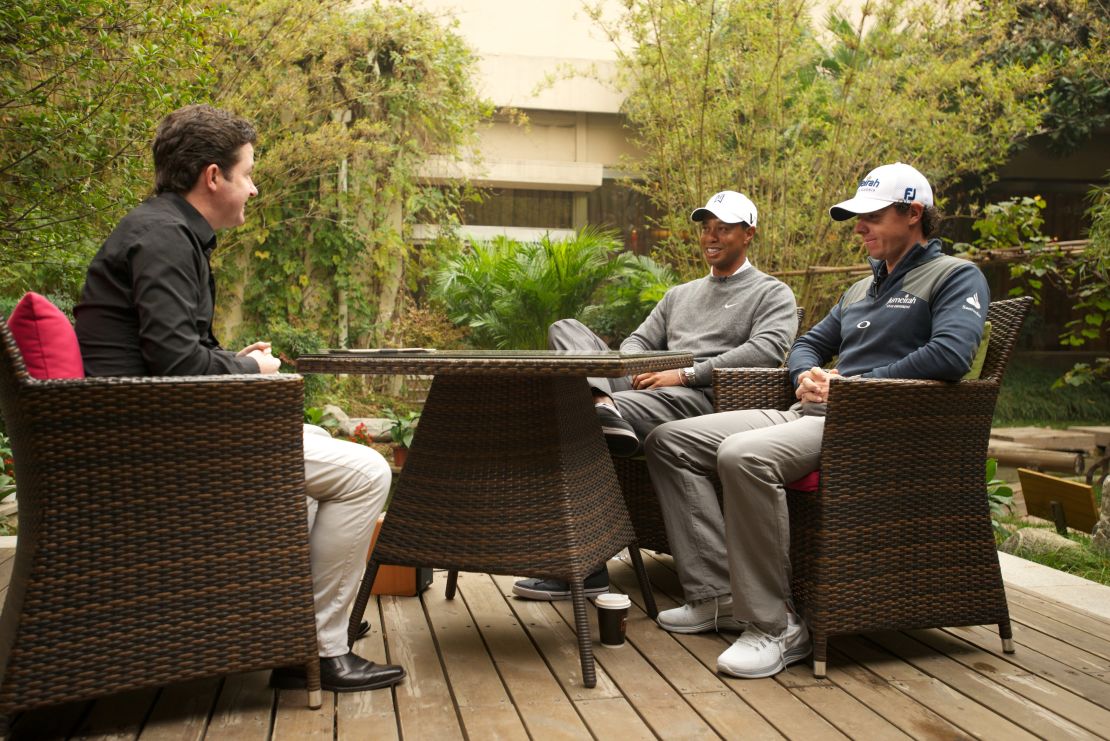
(752, 453)
(644, 409)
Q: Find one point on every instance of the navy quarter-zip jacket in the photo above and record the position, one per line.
(924, 320)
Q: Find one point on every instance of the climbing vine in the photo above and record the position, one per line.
(350, 105)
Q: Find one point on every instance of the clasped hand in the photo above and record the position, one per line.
(262, 355)
(813, 385)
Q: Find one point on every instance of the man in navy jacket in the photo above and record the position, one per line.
(919, 316)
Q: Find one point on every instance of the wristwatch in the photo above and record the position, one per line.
(688, 376)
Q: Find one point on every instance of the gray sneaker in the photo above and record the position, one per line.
(714, 613)
(557, 589)
(619, 435)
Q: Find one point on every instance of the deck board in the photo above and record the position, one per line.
(487, 665)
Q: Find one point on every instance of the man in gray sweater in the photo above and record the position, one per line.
(735, 317)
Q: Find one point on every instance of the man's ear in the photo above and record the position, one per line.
(208, 177)
(916, 212)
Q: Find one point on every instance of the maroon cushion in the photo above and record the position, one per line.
(810, 482)
(46, 339)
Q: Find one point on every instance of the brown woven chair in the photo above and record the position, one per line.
(898, 535)
(163, 533)
(640, 496)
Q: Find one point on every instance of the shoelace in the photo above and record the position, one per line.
(759, 641)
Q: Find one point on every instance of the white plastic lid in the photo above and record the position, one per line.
(612, 601)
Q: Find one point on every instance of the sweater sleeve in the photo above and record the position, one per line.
(652, 333)
(816, 347)
(774, 325)
(165, 283)
(959, 311)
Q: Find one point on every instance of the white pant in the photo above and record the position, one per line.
(347, 488)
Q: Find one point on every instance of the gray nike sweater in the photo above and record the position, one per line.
(746, 320)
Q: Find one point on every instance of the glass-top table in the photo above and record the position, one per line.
(508, 472)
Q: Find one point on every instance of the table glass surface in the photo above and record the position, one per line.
(433, 361)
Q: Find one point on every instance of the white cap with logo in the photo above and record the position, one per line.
(728, 206)
(897, 183)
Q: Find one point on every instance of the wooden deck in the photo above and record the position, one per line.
(489, 666)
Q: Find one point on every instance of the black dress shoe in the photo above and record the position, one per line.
(363, 629)
(347, 673)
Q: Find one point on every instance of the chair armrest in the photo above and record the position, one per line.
(752, 388)
(906, 438)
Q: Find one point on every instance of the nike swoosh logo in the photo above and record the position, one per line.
(729, 306)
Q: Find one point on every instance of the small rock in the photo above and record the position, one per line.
(377, 428)
(1036, 540)
(331, 410)
(1100, 536)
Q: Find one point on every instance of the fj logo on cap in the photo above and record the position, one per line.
(910, 194)
(720, 198)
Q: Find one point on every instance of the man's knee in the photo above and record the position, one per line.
(736, 453)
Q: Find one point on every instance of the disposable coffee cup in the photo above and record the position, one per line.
(612, 616)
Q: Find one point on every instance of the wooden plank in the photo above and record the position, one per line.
(1039, 490)
(1057, 672)
(703, 689)
(54, 722)
(779, 711)
(983, 689)
(295, 721)
(243, 708)
(556, 642)
(117, 717)
(663, 708)
(1073, 616)
(955, 707)
(484, 703)
(363, 715)
(181, 713)
(538, 681)
(1040, 691)
(1101, 433)
(669, 658)
(613, 717)
(425, 707)
(903, 711)
(1077, 648)
(1046, 437)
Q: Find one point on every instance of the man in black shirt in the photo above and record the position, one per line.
(146, 309)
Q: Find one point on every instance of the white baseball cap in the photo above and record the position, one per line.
(728, 206)
(897, 183)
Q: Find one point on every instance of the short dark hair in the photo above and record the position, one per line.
(930, 217)
(192, 138)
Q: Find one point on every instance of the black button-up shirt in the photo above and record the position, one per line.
(147, 304)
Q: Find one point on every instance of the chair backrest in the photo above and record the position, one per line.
(1006, 318)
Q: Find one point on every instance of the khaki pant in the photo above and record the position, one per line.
(746, 549)
(347, 487)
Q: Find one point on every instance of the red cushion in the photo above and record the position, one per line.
(46, 339)
(810, 482)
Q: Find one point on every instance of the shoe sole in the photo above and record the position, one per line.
(788, 658)
(296, 683)
(706, 627)
(622, 442)
(540, 594)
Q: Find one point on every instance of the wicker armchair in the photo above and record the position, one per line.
(898, 535)
(163, 533)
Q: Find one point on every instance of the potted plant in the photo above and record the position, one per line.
(401, 432)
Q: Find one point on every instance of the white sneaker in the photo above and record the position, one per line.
(714, 613)
(757, 654)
